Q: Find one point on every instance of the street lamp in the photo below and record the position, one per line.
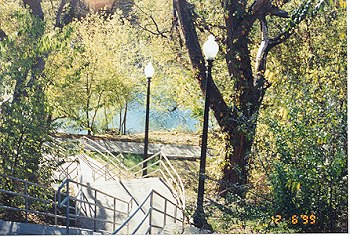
(149, 71)
(210, 49)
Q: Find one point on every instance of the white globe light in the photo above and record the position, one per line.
(210, 48)
(149, 70)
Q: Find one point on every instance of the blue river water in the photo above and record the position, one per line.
(167, 120)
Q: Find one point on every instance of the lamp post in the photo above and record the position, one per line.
(210, 49)
(149, 71)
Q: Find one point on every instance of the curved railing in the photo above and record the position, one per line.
(162, 165)
(158, 166)
(112, 162)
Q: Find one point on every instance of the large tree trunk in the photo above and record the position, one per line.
(238, 122)
(235, 171)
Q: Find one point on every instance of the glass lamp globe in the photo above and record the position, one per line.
(149, 70)
(210, 48)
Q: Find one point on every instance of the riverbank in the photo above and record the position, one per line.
(179, 138)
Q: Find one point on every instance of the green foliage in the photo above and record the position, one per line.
(132, 160)
(24, 116)
(302, 132)
(158, 41)
(22, 126)
(94, 68)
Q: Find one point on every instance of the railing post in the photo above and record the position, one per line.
(150, 213)
(81, 197)
(76, 213)
(67, 208)
(129, 210)
(175, 214)
(165, 211)
(26, 199)
(183, 218)
(106, 171)
(67, 172)
(114, 203)
(55, 207)
(95, 211)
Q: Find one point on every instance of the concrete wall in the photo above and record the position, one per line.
(16, 228)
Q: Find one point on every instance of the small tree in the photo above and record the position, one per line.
(94, 69)
(24, 118)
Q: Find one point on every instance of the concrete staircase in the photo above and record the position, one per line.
(133, 190)
(101, 196)
(107, 176)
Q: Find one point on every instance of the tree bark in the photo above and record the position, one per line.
(238, 121)
(125, 116)
(225, 116)
(80, 8)
(35, 7)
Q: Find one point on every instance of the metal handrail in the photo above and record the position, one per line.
(179, 182)
(165, 168)
(143, 161)
(148, 214)
(119, 165)
(132, 215)
(90, 188)
(179, 189)
(27, 199)
(78, 197)
(96, 169)
(56, 147)
(102, 154)
(92, 205)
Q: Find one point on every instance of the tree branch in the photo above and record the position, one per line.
(258, 5)
(298, 16)
(260, 82)
(158, 31)
(35, 6)
(260, 63)
(278, 12)
(222, 111)
(59, 12)
(3, 35)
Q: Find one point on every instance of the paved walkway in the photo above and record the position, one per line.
(170, 150)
